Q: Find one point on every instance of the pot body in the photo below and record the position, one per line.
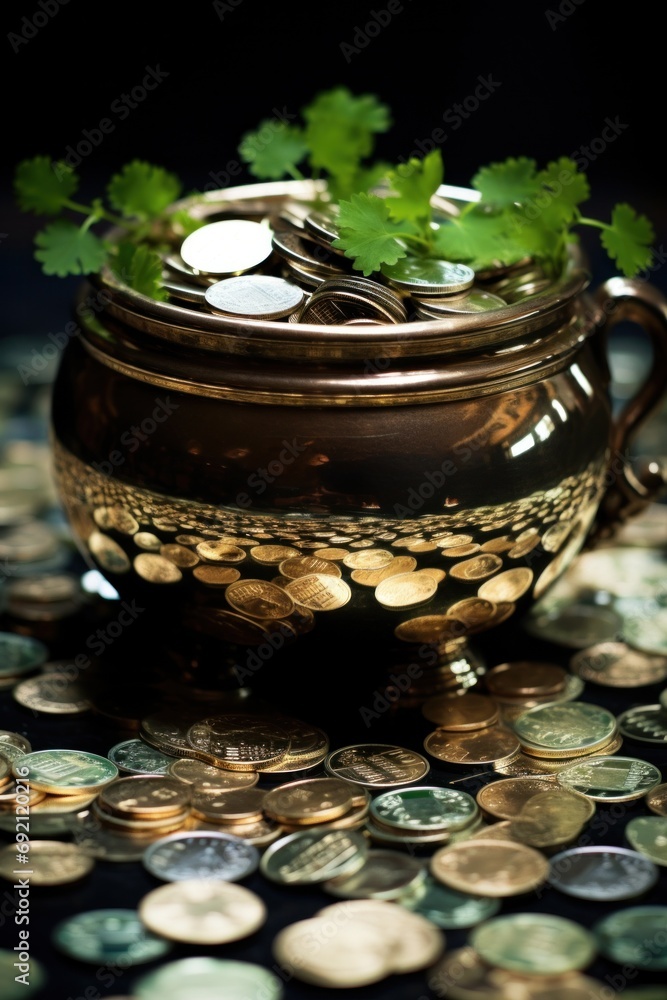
(398, 496)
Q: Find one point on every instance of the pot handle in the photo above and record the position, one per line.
(632, 486)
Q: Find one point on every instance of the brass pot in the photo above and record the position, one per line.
(255, 482)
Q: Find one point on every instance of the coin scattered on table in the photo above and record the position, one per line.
(490, 867)
(49, 862)
(202, 911)
(109, 936)
(201, 855)
(602, 873)
(541, 944)
(201, 976)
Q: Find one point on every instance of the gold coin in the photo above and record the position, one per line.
(477, 568)
(525, 678)
(335, 554)
(354, 954)
(206, 777)
(311, 800)
(145, 797)
(458, 551)
(460, 712)
(491, 745)
(179, 555)
(550, 819)
(271, 555)
(156, 569)
(228, 805)
(53, 694)
(368, 559)
(108, 553)
(422, 546)
(430, 628)
(202, 911)
(524, 546)
(220, 552)
(450, 541)
(215, 576)
(656, 799)
(297, 566)
(507, 586)
(405, 590)
(501, 544)
(505, 798)
(436, 574)
(319, 592)
(49, 862)
(259, 599)
(495, 868)
(372, 577)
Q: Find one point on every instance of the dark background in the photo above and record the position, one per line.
(559, 69)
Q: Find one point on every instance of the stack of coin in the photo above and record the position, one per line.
(294, 249)
(341, 299)
(468, 731)
(421, 816)
(325, 802)
(563, 730)
(140, 805)
(359, 943)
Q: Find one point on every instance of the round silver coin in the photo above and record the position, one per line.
(602, 873)
(256, 296)
(229, 247)
(201, 855)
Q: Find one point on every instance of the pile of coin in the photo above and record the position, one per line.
(284, 266)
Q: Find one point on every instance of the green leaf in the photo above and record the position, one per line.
(564, 189)
(141, 269)
(143, 191)
(340, 129)
(273, 150)
(504, 184)
(184, 223)
(415, 182)
(368, 235)
(628, 240)
(480, 239)
(42, 186)
(65, 248)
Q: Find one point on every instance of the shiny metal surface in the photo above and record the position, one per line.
(245, 433)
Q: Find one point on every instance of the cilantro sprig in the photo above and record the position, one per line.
(384, 212)
(137, 199)
(521, 212)
(334, 142)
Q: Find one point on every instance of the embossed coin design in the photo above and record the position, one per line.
(563, 729)
(201, 855)
(377, 765)
(63, 772)
(611, 779)
(312, 856)
(137, 757)
(311, 800)
(425, 808)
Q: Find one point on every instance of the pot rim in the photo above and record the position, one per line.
(278, 338)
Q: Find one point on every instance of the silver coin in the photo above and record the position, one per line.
(602, 873)
(229, 247)
(138, 757)
(428, 276)
(201, 855)
(644, 724)
(257, 296)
